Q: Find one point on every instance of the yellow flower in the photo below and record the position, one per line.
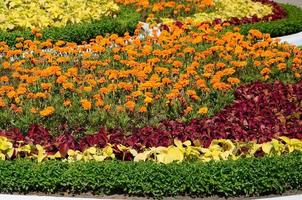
(148, 100)
(88, 89)
(203, 110)
(47, 111)
(86, 104)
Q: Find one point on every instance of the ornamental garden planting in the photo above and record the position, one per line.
(204, 102)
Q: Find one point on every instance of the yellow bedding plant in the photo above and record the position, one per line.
(226, 9)
(49, 13)
(220, 149)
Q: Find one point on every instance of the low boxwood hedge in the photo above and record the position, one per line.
(126, 21)
(248, 177)
(290, 25)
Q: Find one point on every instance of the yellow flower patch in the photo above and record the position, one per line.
(16, 14)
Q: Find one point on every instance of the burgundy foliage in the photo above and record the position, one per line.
(260, 112)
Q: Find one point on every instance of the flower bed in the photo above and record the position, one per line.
(203, 99)
(286, 20)
(256, 116)
(233, 11)
(138, 84)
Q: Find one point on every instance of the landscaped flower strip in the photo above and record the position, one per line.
(17, 15)
(261, 113)
(22, 14)
(218, 150)
(231, 11)
(179, 75)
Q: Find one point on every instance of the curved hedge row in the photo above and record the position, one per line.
(126, 21)
(248, 177)
(289, 25)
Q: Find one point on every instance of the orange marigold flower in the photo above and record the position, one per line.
(5, 65)
(33, 110)
(39, 35)
(47, 111)
(265, 71)
(257, 63)
(120, 108)
(104, 90)
(177, 64)
(266, 77)
(11, 94)
(281, 66)
(130, 105)
(46, 86)
(68, 85)
(107, 107)
(4, 79)
(2, 103)
(255, 33)
(86, 104)
(233, 81)
(188, 110)
(40, 95)
(99, 103)
(21, 90)
(67, 103)
(142, 109)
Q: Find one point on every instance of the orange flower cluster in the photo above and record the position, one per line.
(121, 81)
(167, 8)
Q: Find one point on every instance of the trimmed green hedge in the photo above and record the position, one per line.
(290, 25)
(126, 21)
(253, 176)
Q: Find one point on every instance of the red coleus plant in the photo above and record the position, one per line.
(260, 112)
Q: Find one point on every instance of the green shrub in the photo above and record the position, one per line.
(248, 177)
(126, 21)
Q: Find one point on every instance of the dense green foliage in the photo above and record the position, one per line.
(125, 21)
(253, 176)
(291, 24)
